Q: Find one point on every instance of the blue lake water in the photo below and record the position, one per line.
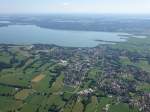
(30, 34)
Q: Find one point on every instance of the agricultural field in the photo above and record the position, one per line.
(49, 78)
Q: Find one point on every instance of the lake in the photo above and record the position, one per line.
(30, 34)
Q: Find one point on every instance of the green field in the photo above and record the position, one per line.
(106, 78)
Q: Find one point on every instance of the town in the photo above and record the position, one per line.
(42, 77)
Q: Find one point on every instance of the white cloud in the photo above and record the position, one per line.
(71, 6)
(66, 4)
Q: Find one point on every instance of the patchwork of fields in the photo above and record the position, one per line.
(47, 78)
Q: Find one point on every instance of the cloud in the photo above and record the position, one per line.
(66, 4)
(77, 6)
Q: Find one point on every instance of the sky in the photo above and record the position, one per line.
(75, 6)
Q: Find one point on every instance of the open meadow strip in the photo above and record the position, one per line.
(38, 78)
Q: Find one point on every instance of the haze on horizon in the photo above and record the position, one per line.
(75, 6)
